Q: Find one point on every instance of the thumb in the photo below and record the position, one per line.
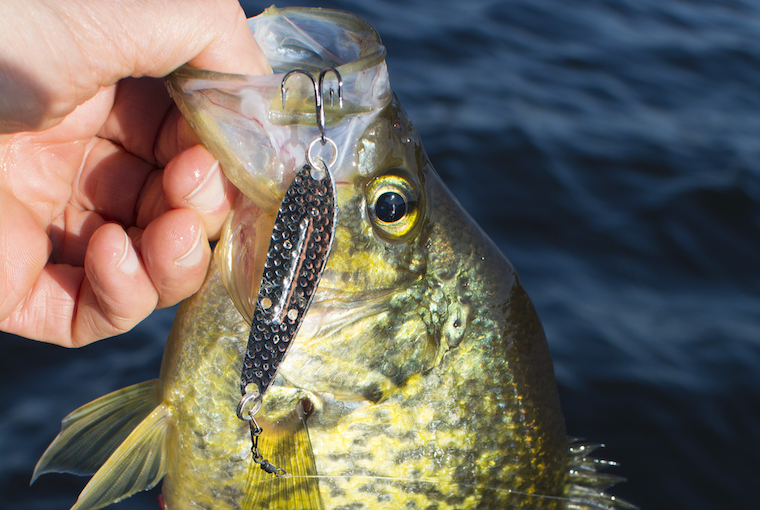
(56, 55)
(233, 50)
(24, 250)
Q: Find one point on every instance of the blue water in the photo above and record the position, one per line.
(612, 150)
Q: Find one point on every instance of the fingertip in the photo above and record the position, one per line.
(117, 292)
(129, 263)
(109, 249)
(194, 180)
(211, 191)
(176, 253)
(193, 256)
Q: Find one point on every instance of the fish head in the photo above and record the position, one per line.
(264, 130)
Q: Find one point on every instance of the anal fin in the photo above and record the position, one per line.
(93, 432)
(285, 444)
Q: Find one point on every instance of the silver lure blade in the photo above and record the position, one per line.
(298, 250)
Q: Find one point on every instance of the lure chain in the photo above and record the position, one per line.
(258, 458)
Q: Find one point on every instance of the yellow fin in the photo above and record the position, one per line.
(285, 444)
(138, 464)
(92, 433)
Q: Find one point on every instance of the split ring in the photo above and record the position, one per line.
(251, 399)
(313, 156)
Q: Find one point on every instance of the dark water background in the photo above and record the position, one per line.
(612, 150)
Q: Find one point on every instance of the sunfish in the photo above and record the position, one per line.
(420, 377)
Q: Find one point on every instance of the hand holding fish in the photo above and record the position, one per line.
(106, 200)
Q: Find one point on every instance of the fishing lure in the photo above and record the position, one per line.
(298, 250)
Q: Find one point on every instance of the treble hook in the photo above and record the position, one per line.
(320, 107)
(318, 91)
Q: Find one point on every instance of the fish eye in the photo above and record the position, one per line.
(390, 207)
(393, 204)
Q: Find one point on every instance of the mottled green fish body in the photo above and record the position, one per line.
(420, 378)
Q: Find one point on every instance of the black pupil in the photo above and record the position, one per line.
(390, 207)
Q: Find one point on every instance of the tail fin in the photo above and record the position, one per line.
(122, 436)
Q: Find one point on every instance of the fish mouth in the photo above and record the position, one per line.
(259, 129)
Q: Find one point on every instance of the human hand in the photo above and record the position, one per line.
(86, 154)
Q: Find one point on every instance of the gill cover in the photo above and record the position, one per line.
(260, 132)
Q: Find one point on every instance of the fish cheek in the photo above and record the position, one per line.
(408, 355)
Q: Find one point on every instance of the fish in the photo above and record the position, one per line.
(420, 376)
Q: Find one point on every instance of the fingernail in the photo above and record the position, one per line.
(193, 255)
(210, 192)
(129, 263)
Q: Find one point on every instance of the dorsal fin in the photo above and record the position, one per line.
(93, 432)
(286, 444)
(586, 485)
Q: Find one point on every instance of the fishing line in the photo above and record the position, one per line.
(433, 482)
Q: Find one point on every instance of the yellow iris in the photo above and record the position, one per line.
(393, 202)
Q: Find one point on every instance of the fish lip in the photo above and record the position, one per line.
(373, 51)
(327, 293)
(373, 298)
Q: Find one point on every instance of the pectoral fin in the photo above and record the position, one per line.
(285, 444)
(93, 432)
(138, 464)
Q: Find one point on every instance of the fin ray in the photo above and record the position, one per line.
(138, 464)
(93, 432)
(586, 485)
(286, 444)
